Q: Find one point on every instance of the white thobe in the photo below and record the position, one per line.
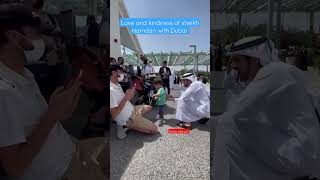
(270, 131)
(193, 104)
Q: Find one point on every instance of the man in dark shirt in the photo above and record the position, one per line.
(165, 73)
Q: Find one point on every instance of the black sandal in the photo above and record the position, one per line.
(203, 120)
(184, 125)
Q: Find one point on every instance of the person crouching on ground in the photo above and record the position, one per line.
(193, 104)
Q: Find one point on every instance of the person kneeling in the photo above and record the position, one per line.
(123, 112)
(193, 104)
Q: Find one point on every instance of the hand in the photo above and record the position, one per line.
(64, 100)
(130, 93)
(171, 98)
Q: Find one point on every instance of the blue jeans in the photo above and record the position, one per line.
(161, 110)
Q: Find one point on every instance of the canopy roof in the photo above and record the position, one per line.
(173, 59)
(81, 7)
(253, 6)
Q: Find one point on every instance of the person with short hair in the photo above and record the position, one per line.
(160, 98)
(149, 69)
(123, 112)
(165, 73)
(33, 143)
(112, 60)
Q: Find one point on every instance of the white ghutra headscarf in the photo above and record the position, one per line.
(258, 47)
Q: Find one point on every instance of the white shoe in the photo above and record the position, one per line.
(122, 132)
(162, 122)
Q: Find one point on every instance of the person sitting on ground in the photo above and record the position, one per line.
(125, 83)
(160, 99)
(123, 112)
(194, 103)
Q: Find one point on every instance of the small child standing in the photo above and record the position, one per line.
(160, 98)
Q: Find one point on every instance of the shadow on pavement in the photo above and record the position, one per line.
(152, 115)
(122, 151)
(195, 125)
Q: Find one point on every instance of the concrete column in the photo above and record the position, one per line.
(278, 25)
(138, 59)
(197, 56)
(124, 53)
(115, 41)
(270, 19)
(311, 27)
(239, 25)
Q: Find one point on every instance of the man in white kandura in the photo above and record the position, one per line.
(194, 103)
(271, 130)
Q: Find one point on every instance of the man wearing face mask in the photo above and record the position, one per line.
(123, 112)
(33, 143)
(271, 130)
(35, 60)
(194, 103)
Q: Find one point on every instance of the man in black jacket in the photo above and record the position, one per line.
(165, 73)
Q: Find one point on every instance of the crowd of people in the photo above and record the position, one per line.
(42, 81)
(133, 94)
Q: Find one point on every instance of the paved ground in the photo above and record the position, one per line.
(163, 156)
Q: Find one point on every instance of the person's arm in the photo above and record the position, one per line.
(156, 95)
(190, 91)
(16, 158)
(115, 111)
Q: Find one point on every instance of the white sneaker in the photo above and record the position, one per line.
(162, 122)
(122, 132)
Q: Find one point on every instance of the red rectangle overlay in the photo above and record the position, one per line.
(178, 131)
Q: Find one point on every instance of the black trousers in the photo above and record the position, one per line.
(166, 84)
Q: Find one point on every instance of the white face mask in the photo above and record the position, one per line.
(33, 56)
(121, 78)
